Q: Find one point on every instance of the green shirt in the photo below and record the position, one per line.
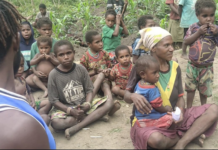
(35, 50)
(110, 42)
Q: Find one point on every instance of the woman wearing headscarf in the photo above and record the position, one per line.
(195, 124)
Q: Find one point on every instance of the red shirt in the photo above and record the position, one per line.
(173, 15)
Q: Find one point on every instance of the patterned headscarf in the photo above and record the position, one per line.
(150, 37)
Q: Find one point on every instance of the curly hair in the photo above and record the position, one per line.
(200, 4)
(142, 21)
(10, 20)
(44, 39)
(89, 36)
(110, 12)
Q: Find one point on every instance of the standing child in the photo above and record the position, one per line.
(44, 61)
(121, 71)
(118, 5)
(143, 22)
(111, 35)
(203, 39)
(95, 60)
(21, 87)
(41, 14)
(174, 24)
(147, 67)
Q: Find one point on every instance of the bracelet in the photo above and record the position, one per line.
(88, 103)
(68, 110)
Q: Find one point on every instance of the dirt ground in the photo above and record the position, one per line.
(115, 134)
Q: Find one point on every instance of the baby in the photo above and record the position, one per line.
(45, 61)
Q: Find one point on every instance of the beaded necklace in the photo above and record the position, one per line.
(96, 55)
(124, 69)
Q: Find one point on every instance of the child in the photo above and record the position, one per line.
(202, 38)
(21, 87)
(71, 92)
(45, 61)
(121, 71)
(26, 41)
(174, 24)
(147, 67)
(41, 14)
(143, 22)
(111, 35)
(95, 60)
(188, 17)
(118, 5)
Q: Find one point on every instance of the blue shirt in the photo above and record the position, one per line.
(151, 93)
(188, 13)
(138, 52)
(10, 100)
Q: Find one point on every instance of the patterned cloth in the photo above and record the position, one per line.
(150, 37)
(121, 78)
(203, 50)
(139, 52)
(199, 78)
(58, 114)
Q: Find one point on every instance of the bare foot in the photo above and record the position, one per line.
(104, 118)
(70, 131)
(184, 56)
(200, 140)
(116, 107)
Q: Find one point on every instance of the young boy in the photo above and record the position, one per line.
(147, 67)
(121, 71)
(22, 88)
(95, 60)
(203, 39)
(118, 5)
(143, 22)
(44, 61)
(188, 17)
(71, 92)
(41, 14)
(174, 24)
(111, 35)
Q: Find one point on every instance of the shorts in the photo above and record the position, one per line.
(176, 31)
(199, 78)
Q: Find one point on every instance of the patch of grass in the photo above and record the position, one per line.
(114, 130)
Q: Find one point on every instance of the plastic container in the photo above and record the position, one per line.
(176, 114)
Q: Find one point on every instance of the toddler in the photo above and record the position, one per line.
(121, 71)
(203, 39)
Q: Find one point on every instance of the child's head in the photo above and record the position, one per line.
(21, 66)
(64, 52)
(145, 21)
(122, 53)
(94, 41)
(205, 11)
(44, 44)
(26, 30)
(147, 67)
(44, 26)
(42, 9)
(110, 18)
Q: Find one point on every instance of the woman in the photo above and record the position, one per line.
(194, 124)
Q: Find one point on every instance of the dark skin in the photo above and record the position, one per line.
(9, 140)
(174, 9)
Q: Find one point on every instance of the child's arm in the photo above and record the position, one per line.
(192, 38)
(36, 59)
(52, 59)
(112, 75)
(213, 29)
(163, 109)
(125, 31)
(174, 9)
(117, 28)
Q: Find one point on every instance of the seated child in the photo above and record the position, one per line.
(203, 40)
(45, 61)
(118, 5)
(121, 71)
(95, 60)
(26, 41)
(147, 67)
(71, 92)
(22, 88)
(111, 33)
(41, 14)
(143, 22)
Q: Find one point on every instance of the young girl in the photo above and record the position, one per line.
(111, 35)
(45, 61)
(22, 88)
(121, 71)
(26, 41)
(95, 60)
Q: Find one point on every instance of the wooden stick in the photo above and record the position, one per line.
(124, 7)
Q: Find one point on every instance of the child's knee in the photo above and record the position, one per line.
(46, 118)
(55, 123)
(115, 89)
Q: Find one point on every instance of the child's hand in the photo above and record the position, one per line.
(42, 56)
(40, 74)
(203, 29)
(213, 29)
(168, 108)
(118, 18)
(47, 57)
(106, 72)
(78, 114)
(85, 108)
